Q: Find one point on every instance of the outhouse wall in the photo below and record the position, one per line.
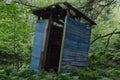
(75, 45)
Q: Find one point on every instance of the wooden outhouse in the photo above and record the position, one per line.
(61, 39)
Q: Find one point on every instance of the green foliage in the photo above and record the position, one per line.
(15, 32)
(84, 74)
(16, 37)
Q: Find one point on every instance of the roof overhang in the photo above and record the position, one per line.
(60, 10)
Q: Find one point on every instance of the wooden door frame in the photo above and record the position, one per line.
(44, 45)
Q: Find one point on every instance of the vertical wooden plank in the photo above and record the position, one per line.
(42, 59)
(47, 40)
(38, 45)
(62, 45)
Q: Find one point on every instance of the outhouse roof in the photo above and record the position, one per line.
(60, 10)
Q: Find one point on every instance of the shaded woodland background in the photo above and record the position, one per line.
(17, 26)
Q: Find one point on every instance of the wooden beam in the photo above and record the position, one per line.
(79, 13)
(57, 21)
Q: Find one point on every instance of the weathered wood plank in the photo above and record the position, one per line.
(37, 46)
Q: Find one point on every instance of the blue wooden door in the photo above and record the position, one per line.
(39, 44)
(75, 45)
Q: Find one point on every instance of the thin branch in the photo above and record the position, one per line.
(94, 7)
(108, 41)
(102, 8)
(96, 16)
(25, 4)
(99, 37)
(108, 4)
